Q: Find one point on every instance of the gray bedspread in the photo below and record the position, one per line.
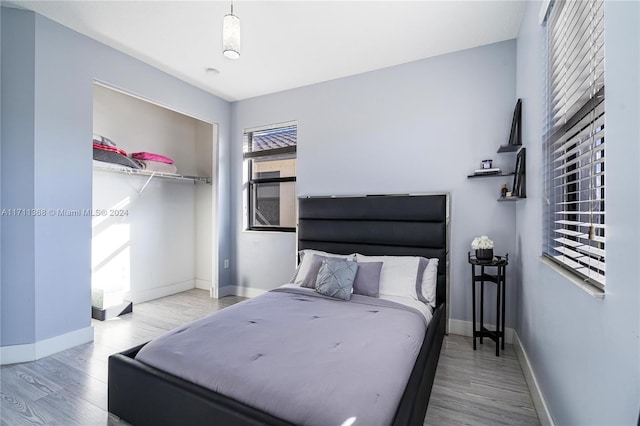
(300, 356)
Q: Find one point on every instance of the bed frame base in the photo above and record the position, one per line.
(143, 395)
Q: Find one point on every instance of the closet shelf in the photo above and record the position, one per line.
(149, 173)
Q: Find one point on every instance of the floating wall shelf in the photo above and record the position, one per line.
(514, 145)
(508, 199)
(489, 175)
(509, 148)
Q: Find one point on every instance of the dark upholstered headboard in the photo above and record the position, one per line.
(394, 225)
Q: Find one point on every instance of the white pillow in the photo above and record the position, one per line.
(430, 281)
(307, 258)
(399, 274)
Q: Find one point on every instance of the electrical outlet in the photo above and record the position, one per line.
(226, 263)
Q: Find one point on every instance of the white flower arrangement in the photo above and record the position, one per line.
(482, 243)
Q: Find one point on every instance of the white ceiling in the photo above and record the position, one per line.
(285, 44)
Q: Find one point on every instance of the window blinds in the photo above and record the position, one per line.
(575, 136)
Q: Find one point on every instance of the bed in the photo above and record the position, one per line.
(399, 225)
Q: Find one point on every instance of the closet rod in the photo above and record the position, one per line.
(150, 174)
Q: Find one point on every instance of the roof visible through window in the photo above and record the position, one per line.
(274, 138)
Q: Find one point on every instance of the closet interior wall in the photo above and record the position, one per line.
(160, 241)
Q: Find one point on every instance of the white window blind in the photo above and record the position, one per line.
(574, 139)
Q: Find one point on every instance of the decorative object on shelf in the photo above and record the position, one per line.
(484, 254)
(519, 183)
(231, 35)
(483, 247)
(486, 164)
(503, 190)
(515, 136)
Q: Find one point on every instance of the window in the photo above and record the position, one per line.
(270, 176)
(574, 139)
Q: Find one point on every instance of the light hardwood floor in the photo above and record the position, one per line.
(70, 388)
(478, 388)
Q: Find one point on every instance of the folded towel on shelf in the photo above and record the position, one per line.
(157, 166)
(109, 148)
(106, 144)
(99, 139)
(149, 156)
(109, 156)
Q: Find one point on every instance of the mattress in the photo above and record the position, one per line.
(300, 356)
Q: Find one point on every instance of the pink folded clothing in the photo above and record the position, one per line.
(152, 157)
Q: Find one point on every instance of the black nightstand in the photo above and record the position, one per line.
(498, 265)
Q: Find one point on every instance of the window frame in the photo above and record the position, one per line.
(582, 183)
(251, 182)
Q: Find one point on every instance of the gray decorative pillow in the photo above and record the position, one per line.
(309, 280)
(367, 281)
(422, 266)
(335, 278)
(308, 266)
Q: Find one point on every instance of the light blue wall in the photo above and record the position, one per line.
(417, 127)
(584, 351)
(17, 179)
(46, 274)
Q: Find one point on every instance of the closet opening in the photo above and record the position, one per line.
(154, 202)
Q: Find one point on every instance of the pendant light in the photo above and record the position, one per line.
(231, 35)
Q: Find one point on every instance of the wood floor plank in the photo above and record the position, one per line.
(70, 388)
(20, 411)
(79, 384)
(65, 409)
(478, 388)
(14, 378)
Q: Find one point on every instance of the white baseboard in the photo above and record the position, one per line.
(536, 394)
(234, 290)
(139, 296)
(465, 328)
(203, 284)
(33, 351)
